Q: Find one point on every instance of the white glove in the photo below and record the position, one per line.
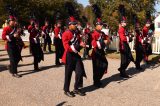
(73, 49)
(8, 38)
(59, 36)
(35, 40)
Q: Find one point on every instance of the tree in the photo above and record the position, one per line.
(42, 9)
(49, 8)
(110, 13)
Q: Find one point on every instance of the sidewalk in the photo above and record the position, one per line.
(45, 88)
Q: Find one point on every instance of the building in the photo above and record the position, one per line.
(157, 25)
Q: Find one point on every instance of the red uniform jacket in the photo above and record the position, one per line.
(86, 30)
(145, 31)
(87, 33)
(66, 38)
(33, 33)
(46, 30)
(95, 39)
(56, 32)
(6, 31)
(122, 37)
(139, 38)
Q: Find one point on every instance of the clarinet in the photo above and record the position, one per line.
(101, 40)
(85, 39)
(20, 42)
(20, 31)
(129, 35)
(38, 35)
(149, 36)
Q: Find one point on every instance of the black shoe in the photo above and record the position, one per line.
(139, 68)
(80, 86)
(69, 94)
(36, 69)
(119, 69)
(79, 92)
(124, 75)
(58, 64)
(16, 75)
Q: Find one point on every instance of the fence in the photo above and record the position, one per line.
(114, 44)
(26, 37)
(155, 45)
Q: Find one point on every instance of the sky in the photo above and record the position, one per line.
(85, 3)
(157, 7)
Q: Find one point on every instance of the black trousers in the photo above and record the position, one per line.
(148, 49)
(124, 62)
(47, 41)
(35, 62)
(87, 49)
(126, 57)
(139, 54)
(14, 57)
(59, 49)
(73, 63)
(100, 64)
(86, 52)
(37, 54)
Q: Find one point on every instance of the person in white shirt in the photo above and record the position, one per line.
(105, 30)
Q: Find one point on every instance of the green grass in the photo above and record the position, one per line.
(110, 53)
(114, 55)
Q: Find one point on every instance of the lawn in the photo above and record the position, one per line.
(109, 54)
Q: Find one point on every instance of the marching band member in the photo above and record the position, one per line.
(125, 51)
(10, 36)
(58, 42)
(99, 42)
(35, 44)
(147, 37)
(46, 36)
(72, 44)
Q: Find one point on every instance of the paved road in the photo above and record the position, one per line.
(44, 88)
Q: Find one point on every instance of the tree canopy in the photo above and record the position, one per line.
(41, 8)
(110, 12)
(48, 8)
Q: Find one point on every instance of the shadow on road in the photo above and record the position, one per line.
(62, 103)
(116, 77)
(7, 58)
(4, 59)
(49, 52)
(21, 65)
(5, 67)
(41, 69)
(2, 50)
(29, 55)
(105, 82)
